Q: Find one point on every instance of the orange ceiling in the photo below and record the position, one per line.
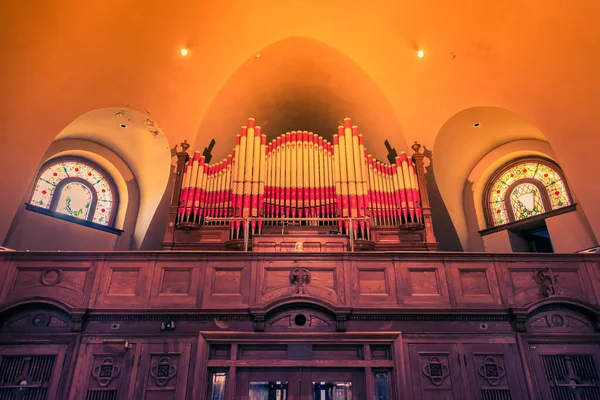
(320, 61)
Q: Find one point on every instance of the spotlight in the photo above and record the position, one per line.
(420, 53)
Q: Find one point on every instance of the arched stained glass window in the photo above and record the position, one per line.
(76, 188)
(525, 188)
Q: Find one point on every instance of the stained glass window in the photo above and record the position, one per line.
(77, 189)
(526, 199)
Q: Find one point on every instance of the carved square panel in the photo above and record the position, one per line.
(175, 284)
(227, 281)
(176, 281)
(123, 282)
(424, 283)
(227, 284)
(374, 283)
(474, 282)
(67, 281)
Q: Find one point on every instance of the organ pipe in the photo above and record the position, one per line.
(299, 175)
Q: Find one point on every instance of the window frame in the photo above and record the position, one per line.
(51, 210)
(546, 199)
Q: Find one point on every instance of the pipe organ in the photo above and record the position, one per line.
(300, 179)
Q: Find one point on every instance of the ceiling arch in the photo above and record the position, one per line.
(462, 142)
(300, 83)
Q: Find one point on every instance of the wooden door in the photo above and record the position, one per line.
(332, 384)
(566, 371)
(436, 372)
(105, 371)
(491, 372)
(163, 370)
(31, 372)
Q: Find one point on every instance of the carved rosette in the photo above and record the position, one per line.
(436, 371)
(491, 371)
(51, 276)
(163, 371)
(106, 371)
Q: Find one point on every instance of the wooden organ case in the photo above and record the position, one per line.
(300, 193)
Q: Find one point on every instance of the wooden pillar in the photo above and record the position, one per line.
(418, 157)
(182, 157)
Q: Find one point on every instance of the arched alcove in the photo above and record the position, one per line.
(140, 143)
(300, 83)
(462, 142)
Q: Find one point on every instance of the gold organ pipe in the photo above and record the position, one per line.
(323, 201)
(293, 172)
(256, 162)
(352, 197)
(358, 170)
(262, 179)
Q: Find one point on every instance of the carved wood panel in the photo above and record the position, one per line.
(105, 371)
(227, 284)
(31, 372)
(566, 371)
(283, 279)
(176, 284)
(474, 283)
(163, 371)
(559, 321)
(374, 284)
(435, 372)
(424, 284)
(522, 285)
(67, 281)
(125, 284)
(492, 371)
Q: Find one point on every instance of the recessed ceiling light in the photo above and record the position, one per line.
(184, 52)
(123, 126)
(476, 124)
(420, 53)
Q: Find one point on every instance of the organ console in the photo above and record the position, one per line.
(300, 184)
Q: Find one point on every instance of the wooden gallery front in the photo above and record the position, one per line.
(322, 288)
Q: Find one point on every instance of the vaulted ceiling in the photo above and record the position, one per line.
(303, 64)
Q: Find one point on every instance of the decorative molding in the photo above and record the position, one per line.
(436, 371)
(48, 279)
(549, 280)
(299, 279)
(163, 371)
(491, 371)
(106, 371)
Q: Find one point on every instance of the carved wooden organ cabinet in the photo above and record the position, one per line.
(326, 304)
(282, 195)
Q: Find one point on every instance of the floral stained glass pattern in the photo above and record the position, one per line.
(549, 178)
(72, 171)
(75, 200)
(526, 201)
